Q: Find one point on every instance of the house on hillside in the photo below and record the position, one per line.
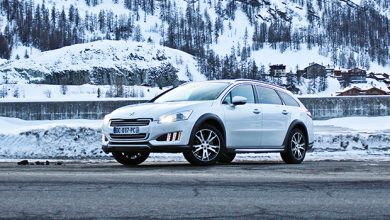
(354, 91)
(350, 92)
(357, 75)
(375, 91)
(387, 81)
(312, 71)
(337, 73)
(329, 71)
(378, 76)
(277, 70)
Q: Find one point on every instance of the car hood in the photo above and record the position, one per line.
(155, 110)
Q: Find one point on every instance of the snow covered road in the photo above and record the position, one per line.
(356, 138)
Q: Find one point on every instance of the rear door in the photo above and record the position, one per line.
(242, 122)
(275, 117)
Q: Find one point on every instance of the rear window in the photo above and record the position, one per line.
(288, 100)
(268, 96)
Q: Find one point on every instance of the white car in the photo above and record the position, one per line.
(210, 122)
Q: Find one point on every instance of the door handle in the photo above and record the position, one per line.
(284, 112)
(256, 111)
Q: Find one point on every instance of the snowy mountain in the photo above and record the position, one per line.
(227, 39)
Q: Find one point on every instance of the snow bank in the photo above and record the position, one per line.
(86, 92)
(335, 139)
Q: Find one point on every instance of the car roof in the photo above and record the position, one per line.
(247, 80)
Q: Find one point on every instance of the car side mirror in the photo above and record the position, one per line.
(239, 100)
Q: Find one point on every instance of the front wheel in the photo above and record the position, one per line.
(207, 146)
(130, 158)
(296, 147)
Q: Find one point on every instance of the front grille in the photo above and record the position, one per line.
(128, 136)
(130, 122)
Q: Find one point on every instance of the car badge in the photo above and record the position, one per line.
(132, 114)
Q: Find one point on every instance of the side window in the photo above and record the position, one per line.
(268, 96)
(244, 90)
(288, 100)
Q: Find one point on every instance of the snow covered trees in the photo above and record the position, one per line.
(362, 30)
(4, 48)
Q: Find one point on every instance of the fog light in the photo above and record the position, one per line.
(172, 136)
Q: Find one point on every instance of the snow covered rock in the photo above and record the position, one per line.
(100, 62)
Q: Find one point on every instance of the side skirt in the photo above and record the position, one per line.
(255, 150)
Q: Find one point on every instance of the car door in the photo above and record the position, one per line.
(275, 117)
(242, 122)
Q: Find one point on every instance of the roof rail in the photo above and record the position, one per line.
(259, 81)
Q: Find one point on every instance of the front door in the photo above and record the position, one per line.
(242, 122)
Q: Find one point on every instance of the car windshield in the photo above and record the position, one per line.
(194, 92)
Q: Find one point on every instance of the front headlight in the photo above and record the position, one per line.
(175, 117)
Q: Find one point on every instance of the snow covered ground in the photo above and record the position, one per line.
(355, 138)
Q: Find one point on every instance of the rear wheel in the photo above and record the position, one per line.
(227, 157)
(296, 147)
(130, 158)
(207, 146)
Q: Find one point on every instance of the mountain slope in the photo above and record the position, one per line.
(99, 62)
(225, 36)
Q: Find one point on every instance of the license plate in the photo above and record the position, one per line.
(126, 130)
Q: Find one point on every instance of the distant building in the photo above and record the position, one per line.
(277, 70)
(375, 91)
(379, 76)
(314, 70)
(387, 81)
(337, 73)
(357, 75)
(354, 91)
(329, 71)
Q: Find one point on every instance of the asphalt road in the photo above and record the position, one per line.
(312, 190)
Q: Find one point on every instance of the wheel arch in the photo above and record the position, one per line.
(211, 119)
(299, 125)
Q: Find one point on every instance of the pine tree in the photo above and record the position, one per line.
(137, 34)
(26, 56)
(4, 48)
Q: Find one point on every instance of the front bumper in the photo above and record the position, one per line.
(144, 147)
(152, 142)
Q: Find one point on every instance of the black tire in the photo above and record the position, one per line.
(295, 150)
(207, 146)
(227, 158)
(130, 158)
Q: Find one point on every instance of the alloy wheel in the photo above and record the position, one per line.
(298, 146)
(207, 145)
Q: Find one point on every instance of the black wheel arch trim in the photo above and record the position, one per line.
(202, 119)
(293, 125)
